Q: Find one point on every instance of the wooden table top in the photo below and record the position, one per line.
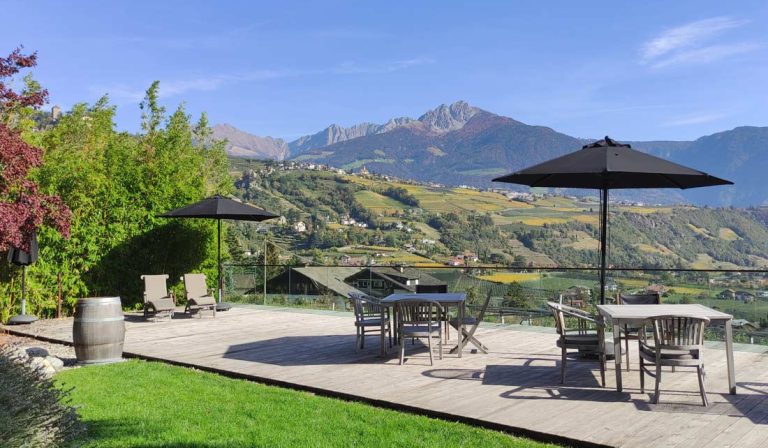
(640, 312)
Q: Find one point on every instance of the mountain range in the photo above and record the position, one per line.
(462, 144)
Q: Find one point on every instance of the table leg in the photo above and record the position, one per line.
(460, 314)
(617, 353)
(383, 340)
(729, 358)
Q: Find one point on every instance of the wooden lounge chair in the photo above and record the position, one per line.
(157, 299)
(198, 296)
(628, 332)
(677, 341)
(420, 318)
(472, 323)
(588, 335)
(370, 317)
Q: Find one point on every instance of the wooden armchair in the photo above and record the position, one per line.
(628, 332)
(587, 333)
(678, 341)
(370, 317)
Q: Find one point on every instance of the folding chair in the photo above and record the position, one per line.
(473, 323)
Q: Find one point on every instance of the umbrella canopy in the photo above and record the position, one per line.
(605, 165)
(218, 208)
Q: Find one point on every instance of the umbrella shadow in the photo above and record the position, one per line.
(306, 350)
(534, 380)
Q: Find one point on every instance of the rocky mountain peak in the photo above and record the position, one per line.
(446, 118)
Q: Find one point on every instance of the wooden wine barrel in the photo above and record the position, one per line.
(99, 330)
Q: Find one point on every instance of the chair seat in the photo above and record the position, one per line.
(371, 322)
(420, 331)
(579, 340)
(202, 301)
(165, 304)
(649, 353)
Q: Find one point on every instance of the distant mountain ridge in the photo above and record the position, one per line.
(461, 144)
(245, 145)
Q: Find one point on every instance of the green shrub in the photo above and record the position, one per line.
(32, 410)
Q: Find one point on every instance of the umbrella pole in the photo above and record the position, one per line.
(603, 240)
(23, 290)
(219, 258)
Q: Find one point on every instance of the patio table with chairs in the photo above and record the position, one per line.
(638, 315)
(445, 300)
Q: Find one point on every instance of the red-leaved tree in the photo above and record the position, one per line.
(23, 209)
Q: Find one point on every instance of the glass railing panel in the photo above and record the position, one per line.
(519, 296)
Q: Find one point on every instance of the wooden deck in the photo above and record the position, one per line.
(515, 386)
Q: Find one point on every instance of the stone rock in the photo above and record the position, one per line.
(18, 355)
(42, 366)
(37, 352)
(55, 362)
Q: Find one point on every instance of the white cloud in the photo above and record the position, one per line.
(688, 35)
(351, 68)
(172, 88)
(691, 43)
(705, 117)
(706, 54)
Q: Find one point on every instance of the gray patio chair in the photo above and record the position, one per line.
(472, 322)
(677, 341)
(631, 332)
(198, 296)
(157, 299)
(588, 334)
(370, 317)
(419, 319)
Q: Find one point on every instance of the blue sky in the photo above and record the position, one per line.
(632, 70)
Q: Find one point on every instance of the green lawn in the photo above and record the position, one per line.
(147, 404)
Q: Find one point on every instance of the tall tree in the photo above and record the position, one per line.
(23, 209)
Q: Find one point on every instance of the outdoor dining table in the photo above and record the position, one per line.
(635, 314)
(444, 299)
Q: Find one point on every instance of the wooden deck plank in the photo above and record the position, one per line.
(516, 384)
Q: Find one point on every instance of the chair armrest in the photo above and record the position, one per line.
(583, 315)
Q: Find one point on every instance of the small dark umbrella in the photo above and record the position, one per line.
(606, 165)
(218, 208)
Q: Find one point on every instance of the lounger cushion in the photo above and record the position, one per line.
(202, 301)
(160, 304)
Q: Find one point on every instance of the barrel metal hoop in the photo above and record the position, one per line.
(102, 319)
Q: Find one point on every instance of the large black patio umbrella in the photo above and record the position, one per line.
(218, 208)
(607, 165)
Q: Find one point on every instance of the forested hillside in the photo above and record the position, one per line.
(439, 223)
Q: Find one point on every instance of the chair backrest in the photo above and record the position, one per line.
(419, 312)
(365, 306)
(195, 286)
(678, 332)
(651, 298)
(583, 318)
(155, 287)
